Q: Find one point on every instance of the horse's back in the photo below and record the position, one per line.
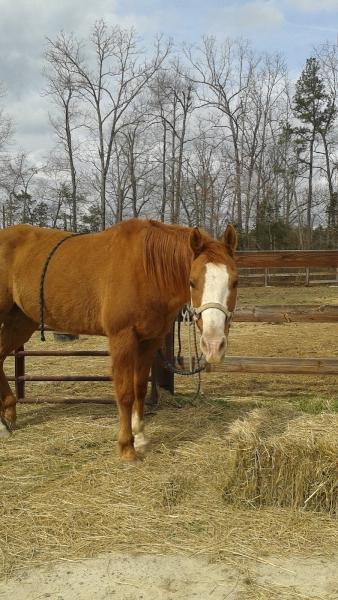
(17, 244)
(22, 251)
(11, 240)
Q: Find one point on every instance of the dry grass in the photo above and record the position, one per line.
(283, 459)
(66, 495)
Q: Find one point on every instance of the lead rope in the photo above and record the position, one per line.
(198, 357)
(187, 322)
(179, 370)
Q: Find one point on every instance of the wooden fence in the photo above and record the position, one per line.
(270, 270)
(21, 377)
(287, 258)
(276, 314)
(271, 314)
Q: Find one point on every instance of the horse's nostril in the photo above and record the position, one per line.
(222, 345)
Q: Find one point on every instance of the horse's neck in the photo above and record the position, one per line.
(167, 260)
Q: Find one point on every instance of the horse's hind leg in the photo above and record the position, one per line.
(15, 331)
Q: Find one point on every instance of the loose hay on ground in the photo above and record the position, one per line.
(285, 459)
(66, 495)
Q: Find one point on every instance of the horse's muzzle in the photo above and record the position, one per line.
(213, 349)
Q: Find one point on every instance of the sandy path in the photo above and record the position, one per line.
(146, 577)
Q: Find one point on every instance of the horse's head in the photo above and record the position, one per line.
(213, 288)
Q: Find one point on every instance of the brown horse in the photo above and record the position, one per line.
(127, 283)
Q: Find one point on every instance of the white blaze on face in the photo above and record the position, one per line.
(216, 289)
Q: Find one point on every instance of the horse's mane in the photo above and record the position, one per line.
(167, 255)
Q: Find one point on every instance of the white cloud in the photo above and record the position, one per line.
(250, 16)
(24, 26)
(314, 5)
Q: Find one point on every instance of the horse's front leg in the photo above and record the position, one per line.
(123, 351)
(144, 359)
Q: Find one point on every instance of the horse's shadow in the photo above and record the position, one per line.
(215, 415)
(43, 412)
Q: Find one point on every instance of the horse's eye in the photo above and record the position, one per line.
(192, 285)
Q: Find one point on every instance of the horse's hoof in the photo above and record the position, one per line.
(127, 453)
(4, 431)
(8, 417)
(130, 456)
(142, 445)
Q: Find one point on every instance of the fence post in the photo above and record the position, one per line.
(266, 276)
(307, 276)
(19, 367)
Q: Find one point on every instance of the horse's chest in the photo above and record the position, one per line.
(154, 324)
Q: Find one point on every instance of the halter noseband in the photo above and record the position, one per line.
(197, 312)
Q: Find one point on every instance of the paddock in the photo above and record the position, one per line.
(66, 494)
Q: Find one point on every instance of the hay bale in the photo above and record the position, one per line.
(285, 459)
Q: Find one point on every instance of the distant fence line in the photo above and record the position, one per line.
(265, 266)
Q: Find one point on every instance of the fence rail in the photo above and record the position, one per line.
(269, 364)
(21, 377)
(287, 313)
(287, 258)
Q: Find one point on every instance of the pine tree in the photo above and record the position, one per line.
(315, 108)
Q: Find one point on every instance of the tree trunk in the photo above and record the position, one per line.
(310, 195)
(164, 171)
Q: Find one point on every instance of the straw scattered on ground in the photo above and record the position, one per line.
(65, 493)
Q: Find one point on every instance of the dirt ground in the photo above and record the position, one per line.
(148, 577)
(77, 525)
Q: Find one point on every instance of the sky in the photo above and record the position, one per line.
(292, 27)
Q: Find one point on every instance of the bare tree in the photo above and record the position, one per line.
(62, 87)
(224, 74)
(109, 84)
(18, 174)
(172, 104)
(6, 131)
(6, 125)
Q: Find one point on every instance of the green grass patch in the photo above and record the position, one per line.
(315, 405)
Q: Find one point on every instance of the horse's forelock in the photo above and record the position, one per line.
(217, 252)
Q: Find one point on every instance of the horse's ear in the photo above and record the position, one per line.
(230, 238)
(196, 241)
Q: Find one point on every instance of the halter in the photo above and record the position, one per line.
(197, 312)
(190, 314)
